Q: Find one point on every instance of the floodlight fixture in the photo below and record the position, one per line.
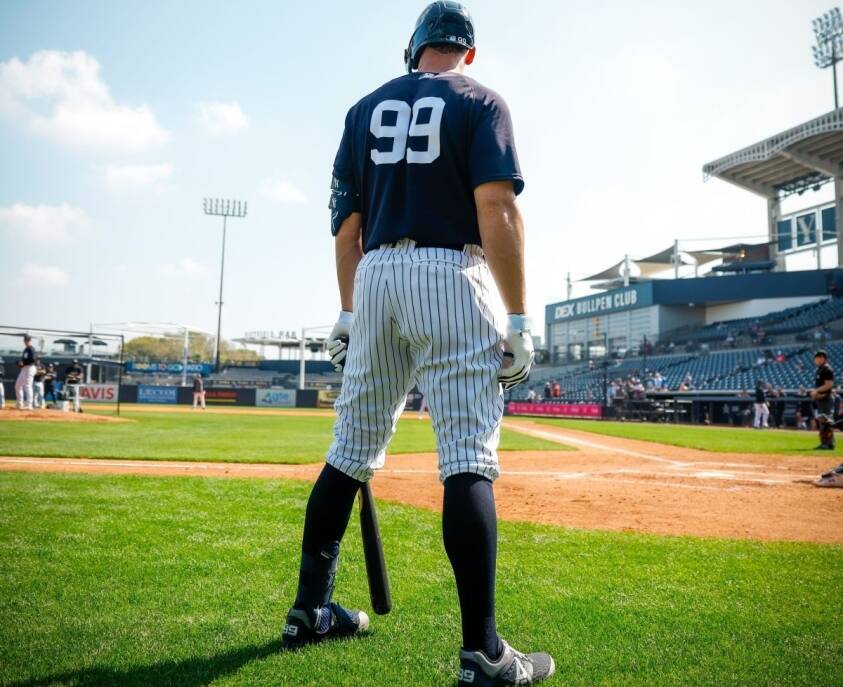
(828, 31)
(224, 208)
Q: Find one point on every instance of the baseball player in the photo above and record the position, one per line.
(72, 382)
(823, 395)
(49, 384)
(38, 386)
(2, 390)
(426, 226)
(198, 392)
(26, 375)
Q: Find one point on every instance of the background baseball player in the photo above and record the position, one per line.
(426, 174)
(72, 385)
(2, 389)
(38, 386)
(823, 395)
(26, 375)
(198, 392)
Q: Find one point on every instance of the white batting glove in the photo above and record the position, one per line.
(517, 351)
(338, 340)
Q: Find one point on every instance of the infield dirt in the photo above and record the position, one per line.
(608, 483)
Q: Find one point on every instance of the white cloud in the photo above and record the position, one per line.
(223, 118)
(283, 192)
(43, 223)
(122, 176)
(63, 96)
(186, 267)
(44, 275)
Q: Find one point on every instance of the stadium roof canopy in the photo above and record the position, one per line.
(803, 157)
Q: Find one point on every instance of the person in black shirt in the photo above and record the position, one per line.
(73, 380)
(762, 410)
(49, 384)
(823, 396)
(23, 385)
(2, 390)
(198, 392)
(38, 386)
(778, 408)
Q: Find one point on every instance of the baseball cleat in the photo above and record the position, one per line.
(832, 478)
(511, 668)
(326, 622)
(824, 447)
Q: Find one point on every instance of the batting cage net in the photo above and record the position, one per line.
(73, 371)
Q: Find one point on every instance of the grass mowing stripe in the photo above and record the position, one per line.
(716, 439)
(208, 437)
(154, 581)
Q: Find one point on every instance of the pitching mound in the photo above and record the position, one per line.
(50, 415)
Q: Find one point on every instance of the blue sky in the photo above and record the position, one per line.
(117, 118)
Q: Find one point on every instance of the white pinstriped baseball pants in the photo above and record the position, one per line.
(422, 316)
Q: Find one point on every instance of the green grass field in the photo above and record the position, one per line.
(717, 439)
(139, 581)
(276, 438)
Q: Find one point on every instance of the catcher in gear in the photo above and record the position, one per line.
(823, 396)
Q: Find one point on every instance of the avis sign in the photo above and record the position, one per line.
(99, 393)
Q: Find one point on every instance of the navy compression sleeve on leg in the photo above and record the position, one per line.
(328, 511)
(470, 533)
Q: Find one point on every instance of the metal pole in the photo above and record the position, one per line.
(120, 374)
(301, 359)
(219, 314)
(606, 369)
(184, 352)
(834, 72)
(676, 259)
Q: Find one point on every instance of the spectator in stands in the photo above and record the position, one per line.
(556, 389)
(198, 392)
(762, 410)
(548, 391)
(532, 396)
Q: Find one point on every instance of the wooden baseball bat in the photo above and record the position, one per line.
(373, 553)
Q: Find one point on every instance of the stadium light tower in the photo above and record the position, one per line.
(224, 209)
(828, 30)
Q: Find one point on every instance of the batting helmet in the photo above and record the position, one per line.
(443, 21)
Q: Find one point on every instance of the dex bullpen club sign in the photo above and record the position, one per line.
(611, 301)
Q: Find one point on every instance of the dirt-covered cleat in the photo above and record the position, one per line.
(832, 478)
(327, 622)
(511, 668)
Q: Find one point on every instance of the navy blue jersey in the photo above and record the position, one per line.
(28, 356)
(416, 148)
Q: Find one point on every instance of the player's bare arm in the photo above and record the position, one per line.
(348, 247)
(502, 232)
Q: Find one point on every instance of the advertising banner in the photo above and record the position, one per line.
(157, 394)
(99, 393)
(326, 398)
(169, 368)
(221, 396)
(583, 410)
(276, 398)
